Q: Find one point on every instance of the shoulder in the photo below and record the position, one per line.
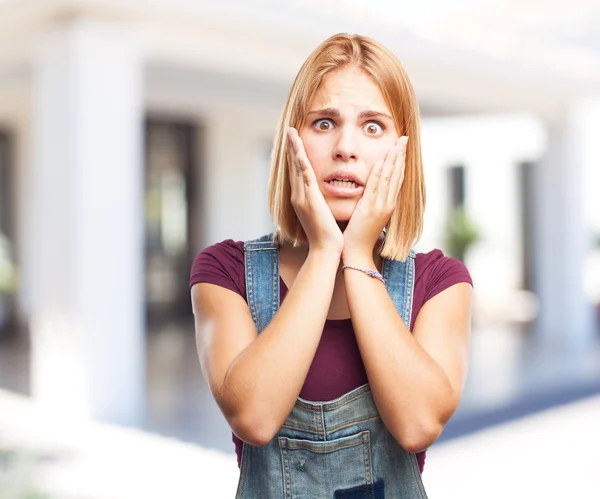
(435, 263)
(222, 252)
(221, 263)
(226, 249)
(434, 272)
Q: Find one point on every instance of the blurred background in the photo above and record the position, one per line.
(133, 134)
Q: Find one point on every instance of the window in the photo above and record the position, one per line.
(456, 181)
(168, 192)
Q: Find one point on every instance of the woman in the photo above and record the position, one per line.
(336, 354)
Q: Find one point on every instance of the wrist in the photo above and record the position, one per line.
(358, 259)
(374, 273)
(325, 254)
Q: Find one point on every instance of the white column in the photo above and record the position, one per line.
(237, 173)
(87, 322)
(563, 236)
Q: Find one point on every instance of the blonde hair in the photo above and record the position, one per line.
(338, 52)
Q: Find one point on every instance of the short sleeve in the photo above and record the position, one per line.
(436, 272)
(221, 264)
(444, 272)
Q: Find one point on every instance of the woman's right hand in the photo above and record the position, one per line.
(309, 204)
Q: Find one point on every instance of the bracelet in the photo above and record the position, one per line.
(369, 272)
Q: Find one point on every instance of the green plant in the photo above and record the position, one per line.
(8, 273)
(461, 233)
(17, 476)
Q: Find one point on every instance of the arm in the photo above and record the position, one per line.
(416, 379)
(256, 379)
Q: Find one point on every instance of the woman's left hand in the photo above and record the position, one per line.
(374, 209)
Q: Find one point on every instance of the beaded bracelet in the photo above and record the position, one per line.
(369, 272)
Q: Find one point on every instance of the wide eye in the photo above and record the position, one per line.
(374, 128)
(323, 124)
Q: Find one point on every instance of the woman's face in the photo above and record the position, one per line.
(348, 129)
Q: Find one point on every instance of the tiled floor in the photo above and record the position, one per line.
(506, 381)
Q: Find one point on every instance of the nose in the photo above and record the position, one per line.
(346, 146)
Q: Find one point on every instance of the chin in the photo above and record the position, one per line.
(342, 211)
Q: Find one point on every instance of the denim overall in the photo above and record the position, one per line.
(339, 449)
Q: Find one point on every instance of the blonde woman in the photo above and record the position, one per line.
(335, 352)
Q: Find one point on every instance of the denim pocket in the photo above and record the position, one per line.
(319, 468)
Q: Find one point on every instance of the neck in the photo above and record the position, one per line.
(342, 225)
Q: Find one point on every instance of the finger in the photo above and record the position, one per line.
(295, 168)
(387, 173)
(398, 173)
(374, 179)
(295, 150)
(309, 178)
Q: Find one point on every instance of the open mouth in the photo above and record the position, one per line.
(344, 184)
(343, 188)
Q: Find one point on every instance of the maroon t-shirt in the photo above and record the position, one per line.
(337, 367)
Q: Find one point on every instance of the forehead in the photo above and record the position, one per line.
(349, 89)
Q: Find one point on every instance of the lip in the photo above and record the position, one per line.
(342, 192)
(344, 175)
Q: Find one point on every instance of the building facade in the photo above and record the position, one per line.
(133, 135)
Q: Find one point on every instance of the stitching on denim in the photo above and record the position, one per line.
(316, 446)
(368, 459)
(243, 472)
(322, 424)
(285, 468)
(326, 432)
(274, 283)
(416, 473)
(268, 248)
(303, 429)
(332, 405)
(354, 422)
(409, 292)
(317, 424)
(248, 258)
(385, 271)
(333, 429)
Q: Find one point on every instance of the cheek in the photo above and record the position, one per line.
(316, 152)
(377, 152)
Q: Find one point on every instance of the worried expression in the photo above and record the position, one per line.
(348, 129)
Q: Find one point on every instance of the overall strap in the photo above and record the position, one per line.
(399, 277)
(261, 260)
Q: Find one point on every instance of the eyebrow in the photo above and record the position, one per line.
(335, 113)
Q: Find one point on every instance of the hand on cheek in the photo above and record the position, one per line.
(311, 209)
(374, 209)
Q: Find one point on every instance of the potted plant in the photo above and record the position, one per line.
(461, 233)
(8, 282)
